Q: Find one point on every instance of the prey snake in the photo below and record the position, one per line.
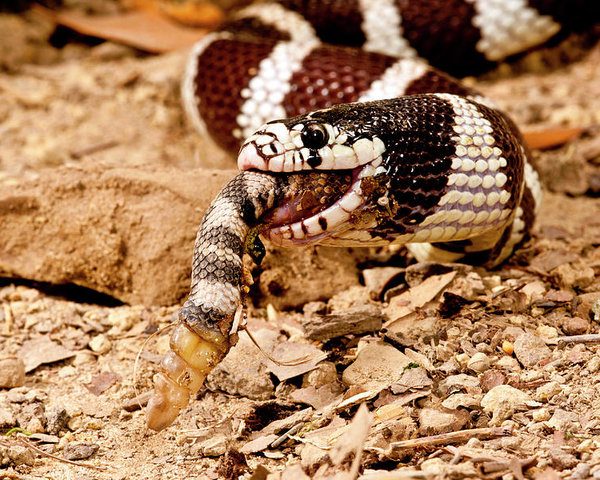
(364, 144)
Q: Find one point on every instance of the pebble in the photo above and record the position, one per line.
(252, 381)
(479, 362)
(16, 455)
(546, 331)
(214, 446)
(80, 451)
(7, 418)
(433, 421)
(56, 419)
(491, 379)
(561, 459)
(531, 349)
(378, 365)
(100, 344)
(575, 326)
(563, 420)
(507, 347)
(504, 395)
(540, 415)
(459, 383)
(508, 363)
(12, 372)
(324, 374)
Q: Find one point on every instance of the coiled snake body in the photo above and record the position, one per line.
(359, 145)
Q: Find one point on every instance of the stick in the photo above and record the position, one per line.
(444, 439)
(588, 338)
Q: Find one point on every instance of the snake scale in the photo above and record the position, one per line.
(351, 133)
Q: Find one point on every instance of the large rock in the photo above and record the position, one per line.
(129, 233)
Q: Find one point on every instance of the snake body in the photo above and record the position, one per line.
(367, 144)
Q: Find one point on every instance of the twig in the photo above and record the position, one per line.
(98, 147)
(588, 338)
(444, 439)
(26, 444)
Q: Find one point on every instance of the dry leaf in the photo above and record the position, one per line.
(417, 296)
(101, 383)
(290, 352)
(551, 137)
(42, 350)
(143, 29)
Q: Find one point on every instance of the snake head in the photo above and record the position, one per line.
(337, 140)
(329, 139)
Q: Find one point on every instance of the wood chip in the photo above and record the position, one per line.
(358, 320)
(101, 383)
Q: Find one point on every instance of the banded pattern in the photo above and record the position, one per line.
(377, 145)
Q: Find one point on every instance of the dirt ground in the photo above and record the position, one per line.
(102, 185)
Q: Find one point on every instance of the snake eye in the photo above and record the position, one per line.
(314, 136)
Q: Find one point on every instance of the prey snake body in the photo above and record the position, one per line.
(360, 145)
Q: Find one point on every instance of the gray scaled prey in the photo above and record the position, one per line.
(443, 173)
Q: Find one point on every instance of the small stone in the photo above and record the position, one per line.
(491, 379)
(585, 302)
(312, 456)
(546, 331)
(561, 459)
(581, 472)
(593, 365)
(462, 400)
(508, 363)
(574, 276)
(18, 455)
(433, 421)
(56, 419)
(324, 374)
(563, 420)
(479, 362)
(378, 365)
(252, 381)
(531, 349)
(575, 326)
(80, 451)
(12, 372)
(459, 383)
(100, 344)
(540, 415)
(7, 418)
(505, 394)
(463, 359)
(215, 446)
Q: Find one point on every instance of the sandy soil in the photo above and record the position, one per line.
(102, 184)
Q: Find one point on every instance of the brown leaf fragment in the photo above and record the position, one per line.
(102, 382)
(41, 351)
(417, 296)
(356, 320)
(146, 30)
(292, 352)
(551, 137)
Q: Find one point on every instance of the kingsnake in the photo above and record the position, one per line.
(377, 145)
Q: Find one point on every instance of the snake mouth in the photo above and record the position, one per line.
(318, 205)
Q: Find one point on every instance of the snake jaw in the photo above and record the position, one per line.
(334, 219)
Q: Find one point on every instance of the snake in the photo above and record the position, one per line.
(351, 129)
